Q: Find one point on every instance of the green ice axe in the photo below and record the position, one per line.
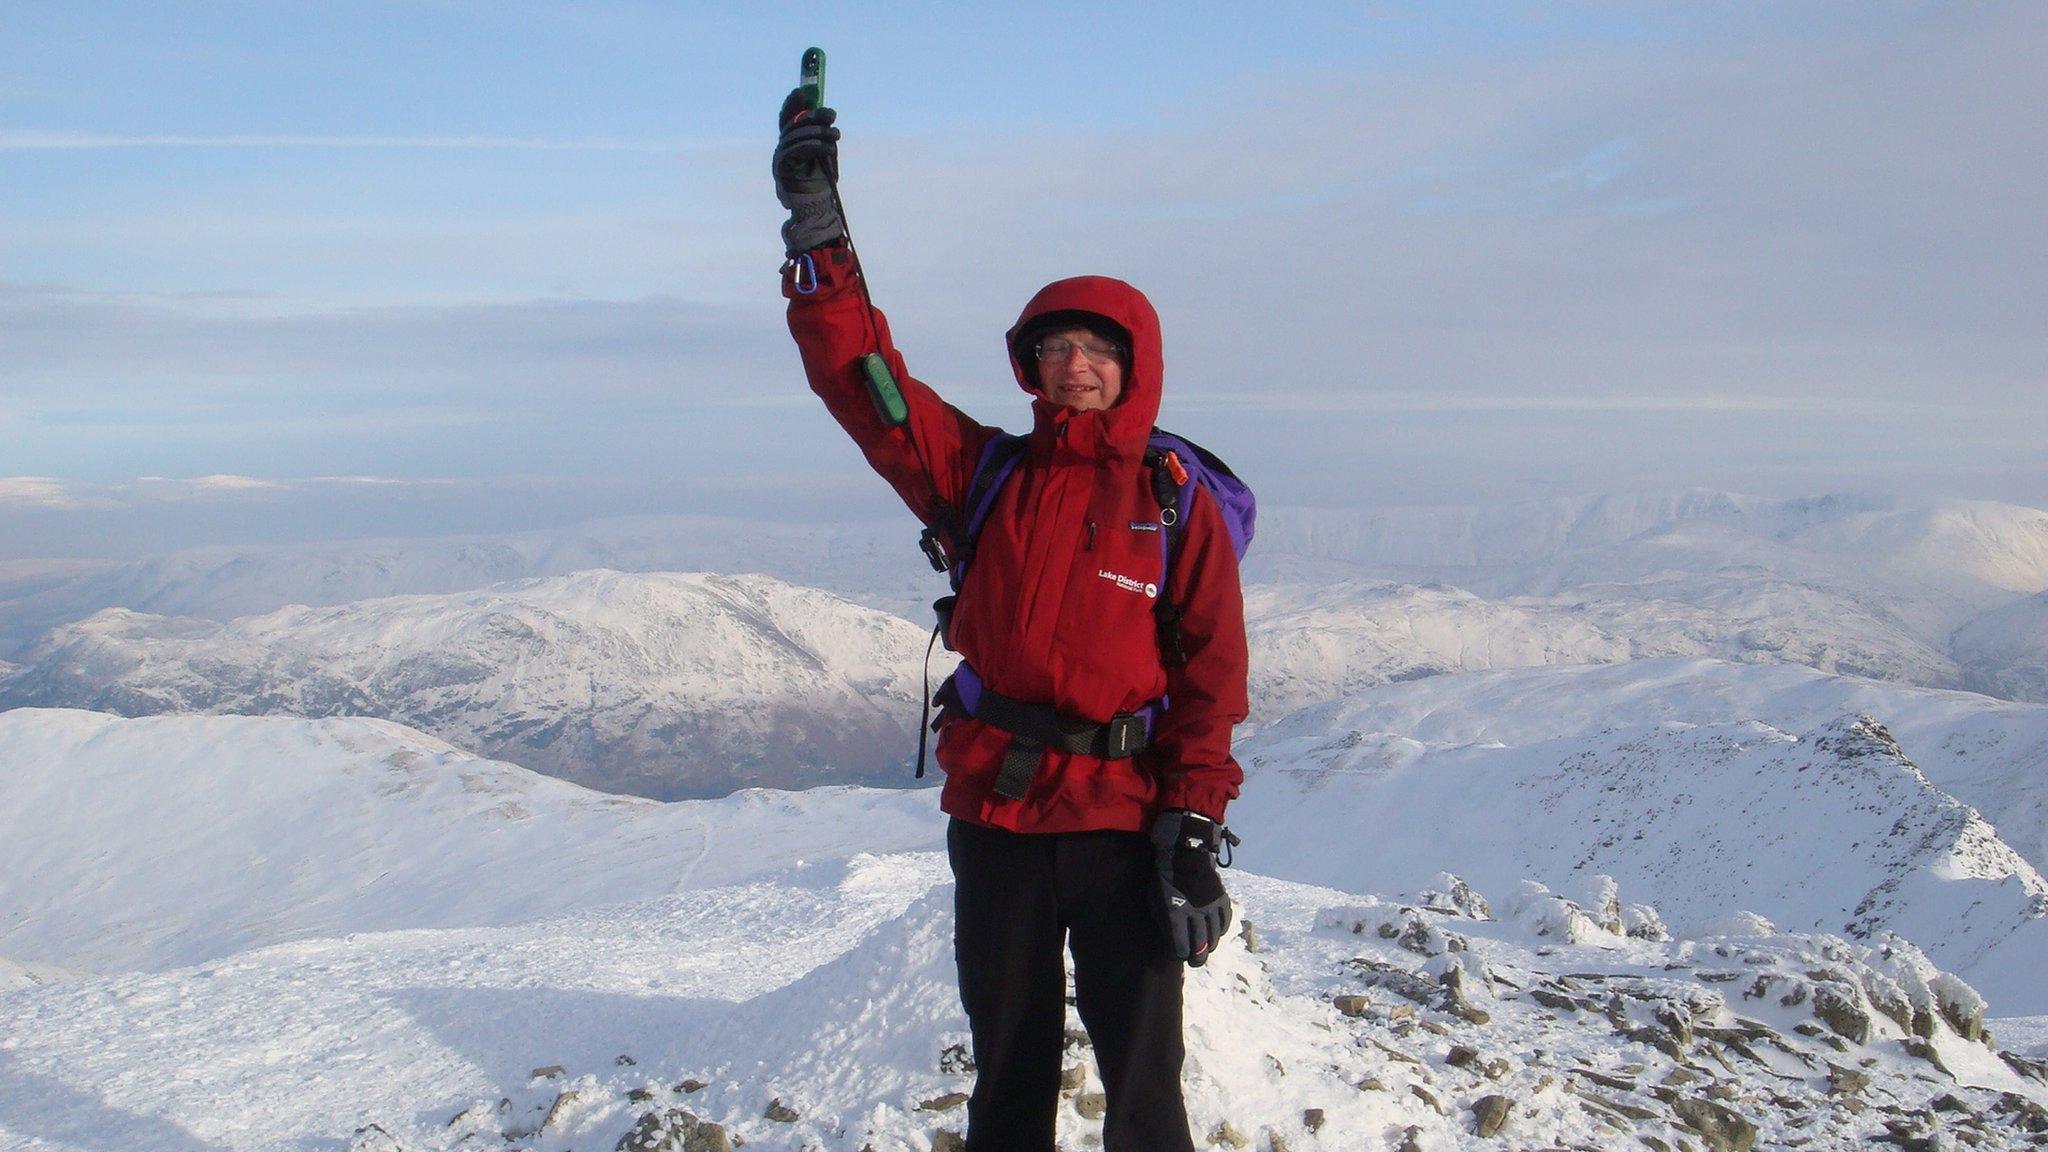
(874, 371)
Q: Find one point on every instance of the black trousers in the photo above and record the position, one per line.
(1020, 900)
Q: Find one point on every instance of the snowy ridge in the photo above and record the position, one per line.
(1986, 753)
(1835, 830)
(816, 1009)
(167, 841)
(385, 938)
(661, 685)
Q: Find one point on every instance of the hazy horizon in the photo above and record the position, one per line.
(522, 272)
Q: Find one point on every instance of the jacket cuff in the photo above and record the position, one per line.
(1203, 799)
(822, 272)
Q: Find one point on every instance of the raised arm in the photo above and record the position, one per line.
(928, 458)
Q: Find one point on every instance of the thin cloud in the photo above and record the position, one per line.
(1422, 402)
(22, 140)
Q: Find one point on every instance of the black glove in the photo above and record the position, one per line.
(806, 166)
(1189, 894)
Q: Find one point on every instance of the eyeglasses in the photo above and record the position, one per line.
(1055, 351)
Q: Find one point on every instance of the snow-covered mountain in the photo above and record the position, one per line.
(1315, 642)
(2006, 651)
(1866, 586)
(1986, 753)
(873, 563)
(166, 841)
(1960, 557)
(575, 968)
(1830, 831)
(661, 685)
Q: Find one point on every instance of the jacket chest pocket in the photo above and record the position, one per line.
(1126, 552)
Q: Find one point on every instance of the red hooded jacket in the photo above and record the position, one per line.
(1054, 608)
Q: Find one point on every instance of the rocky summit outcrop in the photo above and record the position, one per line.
(1377, 1024)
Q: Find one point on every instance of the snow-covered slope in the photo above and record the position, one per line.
(1313, 642)
(1704, 786)
(2006, 651)
(816, 1009)
(163, 841)
(662, 685)
(1986, 753)
(779, 966)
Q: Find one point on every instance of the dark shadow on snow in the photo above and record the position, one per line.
(64, 1113)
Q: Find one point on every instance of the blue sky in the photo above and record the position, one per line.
(1404, 252)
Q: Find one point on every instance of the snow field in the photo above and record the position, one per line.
(829, 989)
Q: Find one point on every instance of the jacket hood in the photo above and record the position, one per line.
(1130, 421)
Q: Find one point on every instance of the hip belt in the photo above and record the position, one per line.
(1035, 727)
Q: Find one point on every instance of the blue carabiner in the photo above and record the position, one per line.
(806, 278)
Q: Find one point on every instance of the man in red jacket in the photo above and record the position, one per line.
(1066, 831)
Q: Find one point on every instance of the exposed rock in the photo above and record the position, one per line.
(1427, 1097)
(691, 1085)
(640, 1095)
(1250, 935)
(1461, 1057)
(1489, 1113)
(624, 1061)
(478, 1116)
(565, 1103)
(1618, 1083)
(1839, 1007)
(1091, 1105)
(1915, 1046)
(1621, 1108)
(2036, 1070)
(949, 1101)
(1400, 981)
(1409, 1139)
(1312, 1119)
(1452, 896)
(674, 1130)
(956, 1060)
(1228, 1135)
(1959, 1004)
(1721, 1128)
(1072, 1077)
(779, 1112)
(1456, 1002)
(947, 1140)
(372, 1138)
(1353, 1006)
(1846, 1081)
(547, 1072)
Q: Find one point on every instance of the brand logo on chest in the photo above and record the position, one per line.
(1149, 591)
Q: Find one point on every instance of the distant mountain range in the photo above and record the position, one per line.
(1339, 600)
(659, 685)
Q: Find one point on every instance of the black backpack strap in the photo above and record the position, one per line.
(1173, 522)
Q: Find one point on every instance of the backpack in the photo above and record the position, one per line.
(1177, 466)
